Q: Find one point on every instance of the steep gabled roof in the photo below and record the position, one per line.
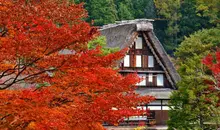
(121, 34)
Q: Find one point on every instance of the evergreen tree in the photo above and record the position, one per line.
(100, 11)
(124, 13)
(170, 11)
(125, 9)
(144, 9)
(190, 22)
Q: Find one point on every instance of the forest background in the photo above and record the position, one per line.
(174, 19)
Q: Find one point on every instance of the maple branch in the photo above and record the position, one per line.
(14, 79)
(57, 102)
(25, 66)
(4, 72)
(3, 31)
(5, 116)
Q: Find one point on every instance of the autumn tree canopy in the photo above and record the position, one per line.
(49, 79)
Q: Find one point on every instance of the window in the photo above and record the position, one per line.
(160, 80)
(150, 78)
(136, 118)
(154, 107)
(150, 61)
(143, 82)
(138, 60)
(165, 108)
(155, 102)
(139, 42)
(127, 61)
(165, 102)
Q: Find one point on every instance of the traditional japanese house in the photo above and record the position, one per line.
(147, 57)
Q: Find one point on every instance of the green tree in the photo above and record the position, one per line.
(209, 8)
(144, 9)
(193, 105)
(101, 41)
(124, 13)
(170, 12)
(190, 22)
(125, 9)
(100, 11)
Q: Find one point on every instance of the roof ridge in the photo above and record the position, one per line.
(125, 22)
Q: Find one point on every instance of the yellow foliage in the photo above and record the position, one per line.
(31, 126)
(140, 128)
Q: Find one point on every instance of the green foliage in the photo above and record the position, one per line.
(180, 18)
(44, 84)
(174, 19)
(198, 44)
(193, 106)
(170, 11)
(209, 8)
(101, 41)
(108, 11)
(190, 21)
(124, 12)
(144, 9)
(101, 11)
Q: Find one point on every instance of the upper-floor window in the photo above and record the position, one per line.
(150, 61)
(139, 43)
(127, 61)
(160, 80)
(138, 61)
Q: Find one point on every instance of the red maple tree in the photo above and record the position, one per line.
(213, 63)
(42, 88)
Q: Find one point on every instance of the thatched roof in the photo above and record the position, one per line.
(121, 33)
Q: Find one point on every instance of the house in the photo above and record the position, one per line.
(147, 57)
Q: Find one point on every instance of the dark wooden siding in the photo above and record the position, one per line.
(161, 117)
(144, 52)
